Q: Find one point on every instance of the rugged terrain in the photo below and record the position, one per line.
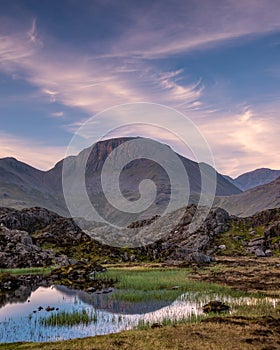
(38, 237)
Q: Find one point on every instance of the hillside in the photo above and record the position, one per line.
(252, 201)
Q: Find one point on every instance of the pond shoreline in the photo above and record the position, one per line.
(203, 273)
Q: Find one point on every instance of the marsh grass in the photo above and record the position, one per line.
(258, 308)
(73, 318)
(161, 284)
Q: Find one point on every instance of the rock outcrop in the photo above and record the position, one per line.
(184, 244)
(272, 236)
(38, 237)
(18, 250)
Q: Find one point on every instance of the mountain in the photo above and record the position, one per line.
(24, 186)
(254, 178)
(252, 201)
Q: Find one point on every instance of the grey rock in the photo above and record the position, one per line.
(18, 251)
(256, 242)
(237, 238)
(268, 252)
(200, 258)
(259, 253)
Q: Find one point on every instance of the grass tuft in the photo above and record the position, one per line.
(69, 318)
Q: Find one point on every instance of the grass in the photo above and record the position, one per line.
(136, 285)
(216, 334)
(73, 318)
(142, 325)
(28, 271)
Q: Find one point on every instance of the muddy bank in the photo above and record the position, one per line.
(242, 273)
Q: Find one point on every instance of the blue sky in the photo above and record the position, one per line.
(218, 62)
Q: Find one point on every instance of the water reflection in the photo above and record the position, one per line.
(18, 322)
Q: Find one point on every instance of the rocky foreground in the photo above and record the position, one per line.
(37, 237)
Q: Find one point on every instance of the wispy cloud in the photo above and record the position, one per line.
(91, 85)
(129, 70)
(32, 33)
(244, 140)
(58, 114)
(194, 25)
(32, 152)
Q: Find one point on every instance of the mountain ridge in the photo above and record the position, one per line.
(22, 185)
(254, 178)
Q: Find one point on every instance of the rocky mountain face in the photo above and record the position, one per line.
(252, 201)
(254, 178)
(37, 237)
(23, 186)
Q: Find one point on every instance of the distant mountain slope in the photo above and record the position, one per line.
(252, 201)
(254, 178)
(24, 186)
(15, 172)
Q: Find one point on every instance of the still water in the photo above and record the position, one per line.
(19, 322)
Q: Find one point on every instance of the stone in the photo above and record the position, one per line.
(268, 252)
(259, 253)
(215, 306)
(200, 258)
(237, 238)
(18, 251)
(132, 257)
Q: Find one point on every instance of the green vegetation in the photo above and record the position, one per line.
(29, 271)
(261, 308)
(73, 318)
(135, 285)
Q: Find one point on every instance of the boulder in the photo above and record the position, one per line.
(268, 252)
(200, 258)
(215, 306)
(259, 253)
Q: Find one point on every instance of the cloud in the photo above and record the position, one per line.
(129, 70)
(244, 140)
(176, 27)
(58, 114)
(122, 73)
(32, 33)
(91, 85)
(32, 152)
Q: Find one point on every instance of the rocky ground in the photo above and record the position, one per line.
(38, 237)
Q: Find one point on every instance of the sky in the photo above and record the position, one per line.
(217, 62)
